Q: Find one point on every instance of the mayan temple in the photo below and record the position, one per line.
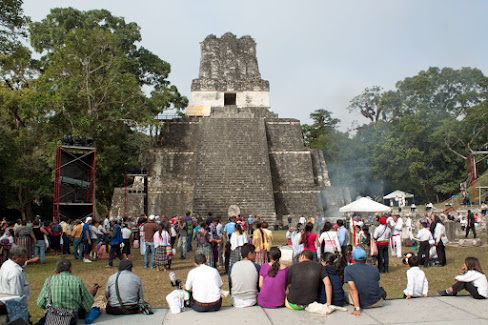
(231, 149)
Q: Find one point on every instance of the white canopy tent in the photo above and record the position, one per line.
(398, 197)
(365, 205)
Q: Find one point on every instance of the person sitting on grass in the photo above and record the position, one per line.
(243, 278)
(472, 280)
(363, 280)
(204, 282)
(417, 284)
(124, 291)
(304, 281)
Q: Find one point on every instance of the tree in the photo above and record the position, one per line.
(94, 83)
(369, 104)
(324, 124)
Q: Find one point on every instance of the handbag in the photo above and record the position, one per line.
(169, 251)
(373, 247)
(58, 315)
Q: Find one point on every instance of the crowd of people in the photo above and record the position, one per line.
(322, 262)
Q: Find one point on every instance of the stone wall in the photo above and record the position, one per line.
(171, 169)
(295, 188)
(233, 168)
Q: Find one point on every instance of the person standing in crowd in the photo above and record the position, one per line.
(441, 240)
(417, 284)
(56, 231)
(295, 240)
(424, 236)
(396, 225)
(182, 237)
(309, 240)
(150, 228)
(66, 234)
(216, 241)
(189, 230)
(127, 238)
(472, 280)
(209, 219)
(86, 239)
(237, 239)
(409, 227)
(250, 220)
(94, 239)
(40, 245)
(363, 280)
(269, 235)
(259, 240)
(24, 237)
(343, 238)
(302, 220)
(471, 224)
(229, 229)
(335, 273)
(204, 243)
(162, 243)
(124, 291)
(243, 279)
(484, 209)
(6, 243)
(204, 282)
(115, 241)
(304, 280)
(220, 248)
(365, 243)
(77, 244)
(272, 281)
(382, 235)
(67, 292)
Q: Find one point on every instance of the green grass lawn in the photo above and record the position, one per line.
(157, 286)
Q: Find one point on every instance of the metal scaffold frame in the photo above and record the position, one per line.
(59, 183)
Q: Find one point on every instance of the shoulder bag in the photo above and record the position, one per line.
(58, 315)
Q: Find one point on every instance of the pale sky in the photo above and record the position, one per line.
(315, 54)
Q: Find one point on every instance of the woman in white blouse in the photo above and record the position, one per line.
(328, 240)
(440, 240)
(472, 280)
(237, 239)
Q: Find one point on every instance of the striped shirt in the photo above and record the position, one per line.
(67, 291)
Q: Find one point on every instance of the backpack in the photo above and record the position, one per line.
(189, 227)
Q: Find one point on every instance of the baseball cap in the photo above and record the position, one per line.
(88, 219)
(383, 220)
(151, 217)
(359, 254)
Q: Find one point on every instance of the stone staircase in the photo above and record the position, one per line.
(232, 167)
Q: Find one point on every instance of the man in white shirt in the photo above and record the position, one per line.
(396, 225)
(243, 278)
(12, 276)
(408, 226)
(417, 284)
(424, 236)
(204, 282)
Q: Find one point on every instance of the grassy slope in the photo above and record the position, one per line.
(156, 285)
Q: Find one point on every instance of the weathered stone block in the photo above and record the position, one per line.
(476, 242)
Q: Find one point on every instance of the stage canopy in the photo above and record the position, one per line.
(365, 205)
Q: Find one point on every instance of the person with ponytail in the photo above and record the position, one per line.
(310, 240)
(260, 241)
(272, 281)
(473, 280)
(335, 271)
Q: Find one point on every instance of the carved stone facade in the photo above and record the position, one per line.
(229, 66)
(234, 155)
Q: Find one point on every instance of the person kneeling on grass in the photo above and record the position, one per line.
(124, 291)
(473, 280)
(204, 282)
(304, 281)
(417, 284)
(363, 280)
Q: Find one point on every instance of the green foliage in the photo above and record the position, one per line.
(418, 139)
(92, 80)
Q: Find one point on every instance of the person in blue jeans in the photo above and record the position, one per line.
(150, 228)
(40, 244)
